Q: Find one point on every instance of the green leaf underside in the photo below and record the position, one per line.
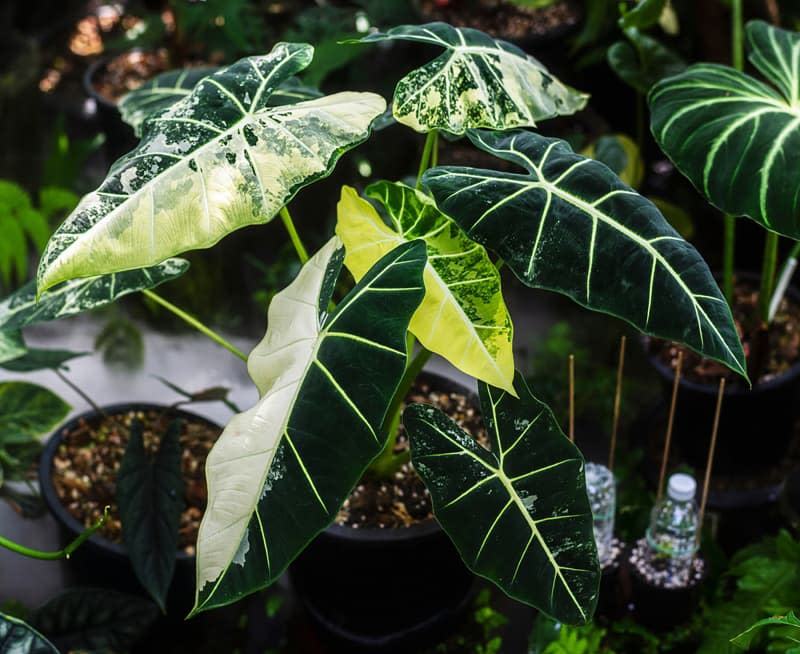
(736, 138)
(150, 498)
(165, 90)
(477, 82)
(281, 470)
(39, 359)
(216, 161)
(28, 411)
(570, 225)
(12, 346)
(21, 309)
(92, 619)
(463, 316)
(791, 632)
(16, 637)
(642, 61)
(518, 514)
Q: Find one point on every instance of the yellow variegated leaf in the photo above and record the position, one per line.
(463, 316)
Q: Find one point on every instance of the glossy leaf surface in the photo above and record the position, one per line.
(12, 346)
(22, 309)
(641, 61)
(570, 225)
(97, 620)
(39, 359)
(16, 637)
(165, 90)
(28, 411)
(216, 161)
(463, 316)
(736, 138)
(150, 499)
(518, 514)
(280, 471)
(477, 82)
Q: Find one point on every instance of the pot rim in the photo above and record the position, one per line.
(420, 530)
(97, 65)
(54, 505)
(733, 390)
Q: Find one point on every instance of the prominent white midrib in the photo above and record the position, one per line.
(236, 128)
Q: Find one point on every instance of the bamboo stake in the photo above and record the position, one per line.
(617, 402)
(670, 421)
(710, 461)
(572, 397)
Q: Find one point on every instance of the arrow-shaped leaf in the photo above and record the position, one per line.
(736, 138)
(570, 225)
(216, 161)
(518, 514)
(22, 309)
(150, 498)
(280, 471)
(463, 316)
(165, 90)
(477, 82)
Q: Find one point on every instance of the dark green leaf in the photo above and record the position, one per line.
(22, 308)
(28, 411)
(11, 344)
(791, 633)
(570, 225)
(150, 498)
(736, 138)
(518, 514)
(121, 343)
(645, 14)
(643, 61)
(16, 637)
(94, 619)
(38, 359)
(280, 471)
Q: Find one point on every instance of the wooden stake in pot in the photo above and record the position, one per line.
(572, 397)
(670, 422)
(710, 461)
(617, 401)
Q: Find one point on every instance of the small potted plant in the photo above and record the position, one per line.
(737, 138)
(332, 370)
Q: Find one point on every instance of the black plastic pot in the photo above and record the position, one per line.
(386, 590)
(100, 562)
(756, 425)
(615, 592)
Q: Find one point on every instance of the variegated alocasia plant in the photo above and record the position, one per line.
(737, 138)
(222, 155)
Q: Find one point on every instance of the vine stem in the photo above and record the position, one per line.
(286, 217)
(194, 322)
(431, 146)
(60, 554)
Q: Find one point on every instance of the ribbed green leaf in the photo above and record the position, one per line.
(463, 316)
(16, 637)
(518, 514)
(216, 161)
(477, 82)
(165, 90)
(11, 345)
(570, 225)
(736, 138)
(22, 309)
(280, 471)
(150, 498)
(28, 411)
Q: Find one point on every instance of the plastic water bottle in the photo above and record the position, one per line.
(603, 500)
(672, 534)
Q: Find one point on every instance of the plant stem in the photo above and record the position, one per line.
(194, 322)
(286, 217)
(60, 554)
(729, 242)
(431, 141)
(770, 264)
(80, 392)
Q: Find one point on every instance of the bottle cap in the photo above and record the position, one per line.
(681, 487)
